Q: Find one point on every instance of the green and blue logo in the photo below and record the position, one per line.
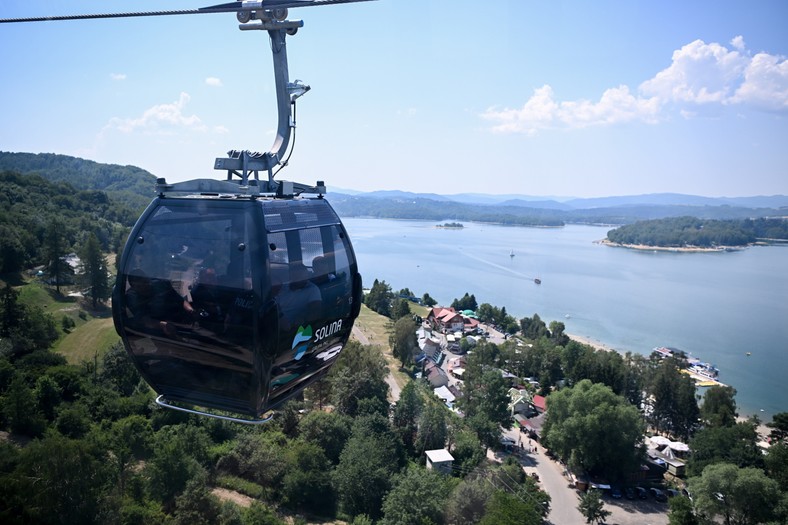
(301, 341)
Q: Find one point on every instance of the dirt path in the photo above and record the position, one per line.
(231, 495)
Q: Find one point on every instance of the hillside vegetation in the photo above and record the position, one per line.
(690, 231)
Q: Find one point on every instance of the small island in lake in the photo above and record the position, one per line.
(693, 234)
(451, 225)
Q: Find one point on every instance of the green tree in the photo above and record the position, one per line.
(170, 468)
(740, 496)
(510, 509)
(372, 456)
(681, 512)
(63, 480)
(779, 426)
(592, 508)
(359, 373)
(405, 504)
(403, 341)
(329, 430)
(428, 301)
(468, 501)
(533, 327)
(432, 432)
(485, 392)
(467, 451)
(737, 445)
(128, 440)
(379, 298)
(11, 311)
(95, 270)
(406, 416)
(260, 514)
(196, 505)
(594, 430)
(400, 309)
(307, 482)
(47, 395)
(468, 302)
(55, 251)
(19, 409)
(118, 371)
(776, 460)
(557, 334)
(674, 408)
(719, 406)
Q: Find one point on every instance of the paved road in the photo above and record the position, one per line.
(564, 500)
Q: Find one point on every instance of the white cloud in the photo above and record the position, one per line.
(117, 76)
(162, 119)
(541, 111)
(765, 84)
(213, 81)
(700, 75)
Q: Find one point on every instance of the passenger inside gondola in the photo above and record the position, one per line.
(154, 304)
(298, 298)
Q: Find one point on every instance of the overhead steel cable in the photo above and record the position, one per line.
(232, 7)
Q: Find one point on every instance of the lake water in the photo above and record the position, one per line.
(717, 306)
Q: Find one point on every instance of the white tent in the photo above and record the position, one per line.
(678, 446)
(660, 441)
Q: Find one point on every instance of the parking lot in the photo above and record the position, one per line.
(636, 512)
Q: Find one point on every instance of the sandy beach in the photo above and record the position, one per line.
(687, 249)
(591, 342)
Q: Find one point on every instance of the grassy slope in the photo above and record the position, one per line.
(93, 333)
(375, 328)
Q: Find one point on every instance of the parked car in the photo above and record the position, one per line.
(615, 492)
(629, 492)
(673, 493)
(658, 494)
(641, 492)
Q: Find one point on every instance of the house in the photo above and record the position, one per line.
(446, 395)
(435, 375)
(431, 348)
(456, 362)
(519, 401)
(445, 320)
(540, 404)
(532, 426)
(470, 324)
(439, 460)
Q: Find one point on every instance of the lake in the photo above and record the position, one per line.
(717, 306)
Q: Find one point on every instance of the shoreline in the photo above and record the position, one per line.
(762, 429)
(682, 249)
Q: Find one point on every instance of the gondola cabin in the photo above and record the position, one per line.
(236, 303)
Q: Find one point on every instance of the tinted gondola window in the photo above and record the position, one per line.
(189, 300)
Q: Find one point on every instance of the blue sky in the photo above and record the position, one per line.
(545, 98)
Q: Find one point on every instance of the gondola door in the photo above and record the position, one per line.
(186, 302)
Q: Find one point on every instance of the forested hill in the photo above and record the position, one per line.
(128, 184)
(134, 187)
(439, 208)
(435, 210)
(31, 207)
(688, 231)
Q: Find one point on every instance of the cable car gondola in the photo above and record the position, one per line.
(235, 295)
(235, 303)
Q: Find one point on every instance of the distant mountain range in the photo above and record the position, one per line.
(134, 187)
(574, 203)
